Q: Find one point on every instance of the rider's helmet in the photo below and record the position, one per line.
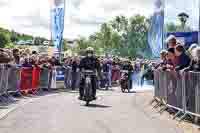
(90, 51)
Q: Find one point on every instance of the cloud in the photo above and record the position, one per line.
(3, 3)
(83, 17)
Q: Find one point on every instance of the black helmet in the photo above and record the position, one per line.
(90, 50)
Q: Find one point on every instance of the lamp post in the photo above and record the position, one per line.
(183, 17)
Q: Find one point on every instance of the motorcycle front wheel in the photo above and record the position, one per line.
(88, 93)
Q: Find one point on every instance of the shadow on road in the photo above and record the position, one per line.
(97, 106)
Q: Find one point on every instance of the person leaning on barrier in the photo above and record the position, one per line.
(171, 60)
(195, 63)
(191, 50)
(163, 59)
(171, 41)
(4, 56)
(16, 56)
(184, 59)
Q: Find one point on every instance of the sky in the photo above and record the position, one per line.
(84, 17)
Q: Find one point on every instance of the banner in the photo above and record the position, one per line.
(156, 30)
(57, 23)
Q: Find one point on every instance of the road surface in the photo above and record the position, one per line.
(113, 112)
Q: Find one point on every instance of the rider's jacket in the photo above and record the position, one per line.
(90, 63)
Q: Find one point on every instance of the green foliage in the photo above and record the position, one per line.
(172, 27)
(120, 36)
(7, 36)
(10, 46)
(4, 40)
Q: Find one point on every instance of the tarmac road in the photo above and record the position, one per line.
(113, 112)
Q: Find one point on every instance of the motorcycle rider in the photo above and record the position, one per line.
(90, 62)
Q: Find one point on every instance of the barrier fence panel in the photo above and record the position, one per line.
(44, 78)
(3, 79)
(197, 94)
(174, 90)
(156, 84)
(53, 79)
(13, 79)
(162, 84)
(35, 79)
(192, 84)
(60, 74)
(26, 80)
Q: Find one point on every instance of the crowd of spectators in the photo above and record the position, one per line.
(109, 65)
(178, 58)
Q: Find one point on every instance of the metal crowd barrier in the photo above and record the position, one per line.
(4, 74)
(44, 78)
(13, 79)
(178, 91)
(192, 93)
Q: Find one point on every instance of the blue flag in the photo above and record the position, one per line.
(156, 30)
(57, 24)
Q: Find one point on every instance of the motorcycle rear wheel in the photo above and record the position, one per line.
(87, 103)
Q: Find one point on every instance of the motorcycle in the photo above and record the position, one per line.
(88, 96)
(124, 81)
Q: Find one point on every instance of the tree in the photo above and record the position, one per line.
(66, 46)
(4, 40)
(120, 36)
(172, 27)
(120, 23)
(10, 46)
(137, 34)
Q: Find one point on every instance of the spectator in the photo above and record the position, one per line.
(75, 71)
(54, 62)
(171, 41)
(163, 57)
(195, 63)
(171, 59)
(191, 50)
(184, 59)
(25, 62)
(4, 57)
(28, 52)
(16, 56)
(34, 52)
